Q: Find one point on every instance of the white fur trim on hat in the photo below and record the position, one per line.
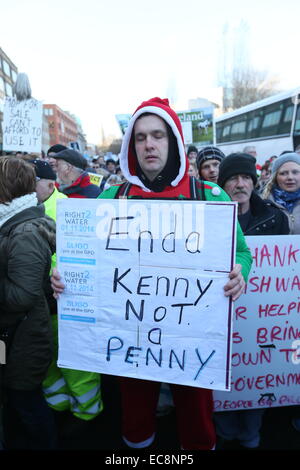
(126, 141)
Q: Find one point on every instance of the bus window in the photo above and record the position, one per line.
(297, 122)
(226, 133)
(254, 124)
(272, 115)
(238, 130)
(286, 122)
(219, 130)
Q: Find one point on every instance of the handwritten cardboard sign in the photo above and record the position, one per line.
(144, 289)
(266, 329)
(22, 125)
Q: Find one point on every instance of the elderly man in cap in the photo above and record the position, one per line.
(208, 161)
(46, 190)
(72, 178)
(53, 150)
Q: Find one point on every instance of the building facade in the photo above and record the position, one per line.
(62, 126)
(8, 76)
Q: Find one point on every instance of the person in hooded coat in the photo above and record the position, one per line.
(155, 166)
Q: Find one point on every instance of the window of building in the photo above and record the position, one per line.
(2, 84)
(8, 89)
(6, 68)
(48, 112)
(14, 75)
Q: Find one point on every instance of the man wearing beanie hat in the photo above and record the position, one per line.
(208, 161)
(237, 176)
(155, 165)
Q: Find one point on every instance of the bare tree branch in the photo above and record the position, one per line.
(250, 85)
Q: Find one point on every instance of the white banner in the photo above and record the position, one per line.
(266, 329)
(144, 289)
(22, 125)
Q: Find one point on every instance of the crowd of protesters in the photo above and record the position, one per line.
(33, 387)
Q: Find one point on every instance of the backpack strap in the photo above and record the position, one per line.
(197, 189)
(193, 189)
(123, 191)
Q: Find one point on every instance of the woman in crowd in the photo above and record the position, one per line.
(27, 239)
(284, 188)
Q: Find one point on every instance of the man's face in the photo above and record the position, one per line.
(239, 188)
(265, 174)
(151, 144)
(51, 161)
(62, 170)
(192, 171)
(111, 167)
(209, 170)
(44, 189)
(192, 156)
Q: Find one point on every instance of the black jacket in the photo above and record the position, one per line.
(26, 245)
(266, 218)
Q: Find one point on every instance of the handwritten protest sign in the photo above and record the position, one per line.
(22, 125)
(144, 289)
(266, 329)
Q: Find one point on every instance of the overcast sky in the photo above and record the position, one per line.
(99, 58)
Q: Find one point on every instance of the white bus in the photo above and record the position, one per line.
(271, 125)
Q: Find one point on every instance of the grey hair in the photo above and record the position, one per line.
(79, 170)
(22, 89)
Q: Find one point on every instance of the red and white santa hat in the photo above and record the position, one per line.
(159, 107)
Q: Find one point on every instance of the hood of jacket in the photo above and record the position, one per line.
(128, 161)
